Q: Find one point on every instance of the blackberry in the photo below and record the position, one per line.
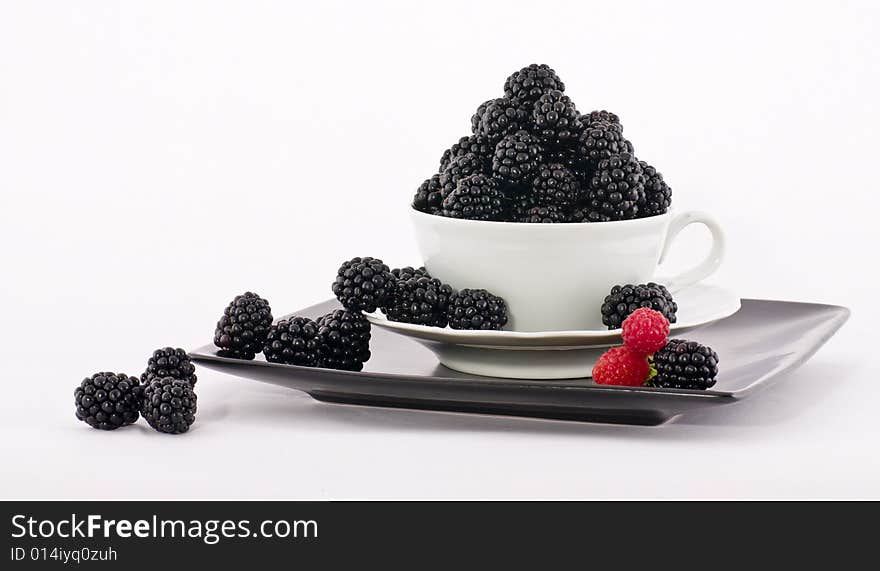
(579, 213)
(107, 401)
(555, 185)
(421, 300)
(600, 141)
(625, 299)
(243, 327)
(517, 157)
(616, 189)
(519, 206)
(571, 159)
(363, 284)
(528, 84)
(170, 362)
(501, 117)
(556, 119)
(460, 167)
(544, 214)
(601, 117)
(476, 197)
(476, 144)
(685, 364)
(429, 195)
(293, 341)
(169, 405)
(658, 195)
(345, 340)
(408, 272)
(476, 309)
(478, 114)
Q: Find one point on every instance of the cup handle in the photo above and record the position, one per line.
(705, 268)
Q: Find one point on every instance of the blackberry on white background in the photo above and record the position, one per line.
(169, 405)
(108, 401)
(528, 84)
(658, 195)
(170, 362)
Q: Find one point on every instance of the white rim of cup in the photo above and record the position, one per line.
(558, 225)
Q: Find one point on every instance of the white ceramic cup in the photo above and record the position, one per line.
(554, 277)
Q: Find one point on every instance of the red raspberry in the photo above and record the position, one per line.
(621, 366)
(645, 331)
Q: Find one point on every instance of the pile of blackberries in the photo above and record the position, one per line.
(533, 157)
(164, 395)
(341, 338)
(411, 295)
(337, 340)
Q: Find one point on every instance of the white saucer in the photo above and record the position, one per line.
(551, 354)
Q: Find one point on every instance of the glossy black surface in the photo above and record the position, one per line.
(755, 345)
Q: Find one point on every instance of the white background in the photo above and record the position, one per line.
(157, 158)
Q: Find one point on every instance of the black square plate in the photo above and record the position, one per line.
(762, 340)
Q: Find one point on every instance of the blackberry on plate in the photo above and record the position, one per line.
(625, 299)
(476, 309)
(528, 84)
(107, 401)
(170, 362)
(169, 405)
(420, 300)
(600, 141)
(517, 157)
(544, 214)
(408, 272)
(243, 327)
(683, 364)
(293, 341)
(429, 195)
(476, 144)
(555, 185)
(345, 340)
(363, 284)
(476, 197)
(556, 119)
(616, 189)
(501, 117)
(658, 195)
(460, 167)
